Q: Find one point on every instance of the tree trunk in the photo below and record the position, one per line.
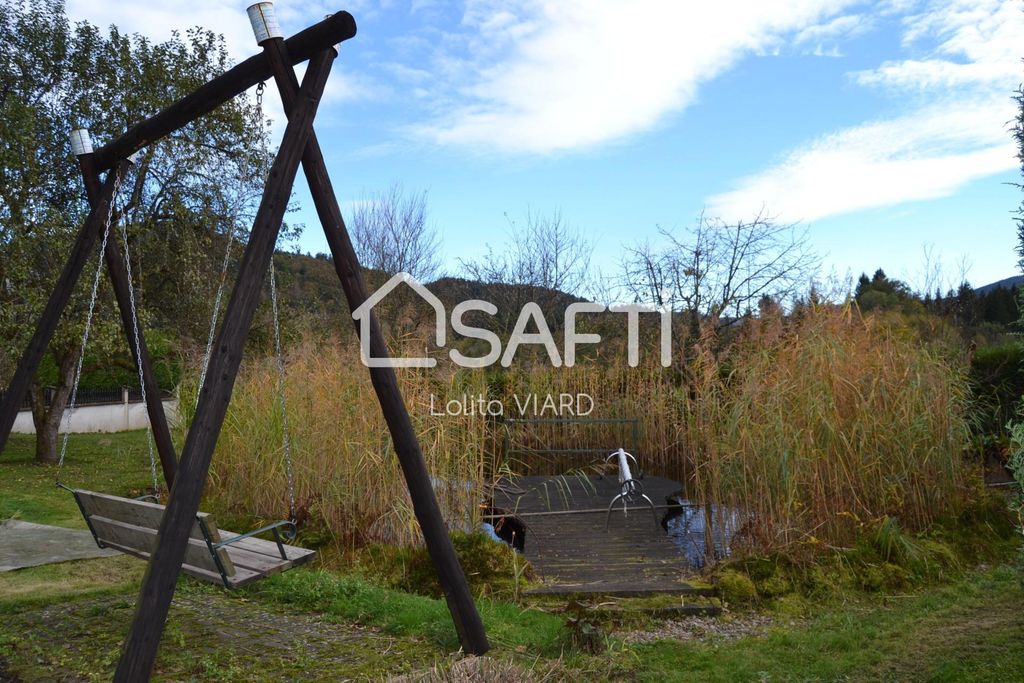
(47, 419)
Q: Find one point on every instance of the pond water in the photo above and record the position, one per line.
(687, 527)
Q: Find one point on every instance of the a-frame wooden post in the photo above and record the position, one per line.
(299, 143)
(55, 305)
(158, 585)
(120, 280)
(450, 575)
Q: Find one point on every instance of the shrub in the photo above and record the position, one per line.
(997, 383)
(492, 568)
(349, 486)
(735, 587)
(828, 424)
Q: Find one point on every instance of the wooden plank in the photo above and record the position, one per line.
(567, 544)
(465, 616)
(157, 590)
(136, 512)
(255, 554)
(262, 560)
(296, 555)
(197, 554)
(242, 576)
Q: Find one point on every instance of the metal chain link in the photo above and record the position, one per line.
(216, 311)
(88, 325)
(281, 376)
(218, 299)
(286, 434)
(138, 354)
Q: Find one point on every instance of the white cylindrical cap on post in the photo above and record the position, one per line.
(81, 143)
(264, 21)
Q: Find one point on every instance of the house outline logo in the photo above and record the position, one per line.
(363, 315)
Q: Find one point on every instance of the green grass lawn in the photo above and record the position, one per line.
(969, 630)
(66, 621)
(111, 463)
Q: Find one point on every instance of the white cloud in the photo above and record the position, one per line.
(845, 26)
(924, 155)
(156, 19)
(978, 42)
(930, 152)
(552, 76)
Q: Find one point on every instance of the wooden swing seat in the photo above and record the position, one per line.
(215, 555)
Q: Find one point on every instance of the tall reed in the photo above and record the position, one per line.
(823, 426)
(348, 481)
(805, 431)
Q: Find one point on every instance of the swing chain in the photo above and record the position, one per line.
(287, 447)
(138, 354)
(88, 325)
(218, 298)
(281, 376)
(216, 310)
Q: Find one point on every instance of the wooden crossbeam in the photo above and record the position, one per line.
(331, 31)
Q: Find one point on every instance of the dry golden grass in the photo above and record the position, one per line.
(815, 428)
(347, 478)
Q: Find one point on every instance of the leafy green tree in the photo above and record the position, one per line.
(1017, 428)
(182, 197)
(882, 292)
(1018, 135)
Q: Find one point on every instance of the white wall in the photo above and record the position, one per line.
(114, 417)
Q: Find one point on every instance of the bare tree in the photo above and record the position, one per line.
(543, 260)
(391, 234)
(719, 269)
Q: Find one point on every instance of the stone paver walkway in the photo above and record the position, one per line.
(24, 544)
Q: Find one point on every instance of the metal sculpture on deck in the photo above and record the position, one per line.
(630, 490)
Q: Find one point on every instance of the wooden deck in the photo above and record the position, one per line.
(567, 544)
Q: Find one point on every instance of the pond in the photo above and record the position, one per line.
(687, 527)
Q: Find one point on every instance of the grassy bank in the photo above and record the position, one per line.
(66, 621)
(969, 630)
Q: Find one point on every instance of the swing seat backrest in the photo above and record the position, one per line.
(215, 555)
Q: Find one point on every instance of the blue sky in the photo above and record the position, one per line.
(880, 127)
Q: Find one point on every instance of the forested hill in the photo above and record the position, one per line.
(309, 283)
(1007, 283)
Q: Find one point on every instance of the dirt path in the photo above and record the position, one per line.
(210, 635)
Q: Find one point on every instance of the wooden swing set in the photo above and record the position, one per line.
(179, 537)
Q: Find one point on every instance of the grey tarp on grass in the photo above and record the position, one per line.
(24, 544)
